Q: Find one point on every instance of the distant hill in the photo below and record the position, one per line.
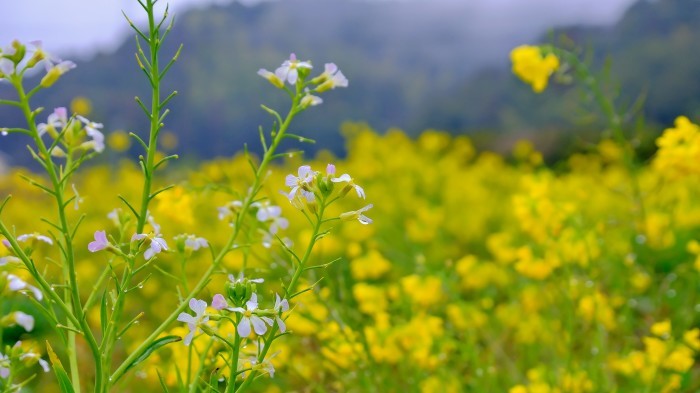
(651, 53)
(413, 66)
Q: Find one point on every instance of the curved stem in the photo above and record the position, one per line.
(204, 279)
(290, 288)
(73, 297)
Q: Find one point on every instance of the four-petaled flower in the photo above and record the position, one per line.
(195, 243)
(289, 69)
(332, 77)
(267, 212)
(100, 242)
(281, 305)
(345, 178)
(298, 183)
(57, 119)
(158, 244)
(249, 319)
(357, 215)
(92, 129)
(17, 284)
(199, 307)
(34, 236)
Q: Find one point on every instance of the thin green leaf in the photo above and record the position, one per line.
(64, 382)
(155, 345)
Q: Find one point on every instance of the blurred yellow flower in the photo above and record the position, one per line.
(530, 65)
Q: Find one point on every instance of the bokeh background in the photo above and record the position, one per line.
(412, 65)
(516, 247)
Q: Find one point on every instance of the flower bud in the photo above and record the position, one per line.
(207, 329)
(18, 51)
(303, 73)
(240, 292)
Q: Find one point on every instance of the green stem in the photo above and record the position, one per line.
(73, 299)
(289, 291)
(204, 280)
(154, 45)
(614, 121)
(233, 364)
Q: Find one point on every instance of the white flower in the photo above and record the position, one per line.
(35, 356)
(17, 284)
(229, 209)
(4, 366)
(332, 77)
(195, 243)
(249, 319)
(24, 320)
(267, 212)
(288, 71)
(357, 215)
(57, 119)
(345, 178)
(281, 305)
(271, 77)
(310, 100)
(199, 307)
(241, 278)
(35, 236)
(158, 244)
(298, 183)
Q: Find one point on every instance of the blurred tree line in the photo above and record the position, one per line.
(414, 66)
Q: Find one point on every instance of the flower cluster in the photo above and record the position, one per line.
(295, 72)
(17, 58)
(241, 298)
(310, 188)
(679, 149)
(76, 134)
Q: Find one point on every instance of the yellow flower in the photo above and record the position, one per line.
(661, 329)
(532, 67)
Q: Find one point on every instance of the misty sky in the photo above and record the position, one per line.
(77, 27)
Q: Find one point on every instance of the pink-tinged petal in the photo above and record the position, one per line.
(150, 253)
(188, 338)
(281, 324)
(219, 302)
(290, 181)
(292, 57)
(186, 318)
(330, 170)
(243, 327)
(305, 172)
(360, 191)
(343, 178)
(138, 236)
(364, 219)
(44, 365)
(37, 292)
(330, 68)
(252, 304)
(24, 320)
(268, 321)
(45, 239)
(339, 80)
(258, 325)
(198, 306)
